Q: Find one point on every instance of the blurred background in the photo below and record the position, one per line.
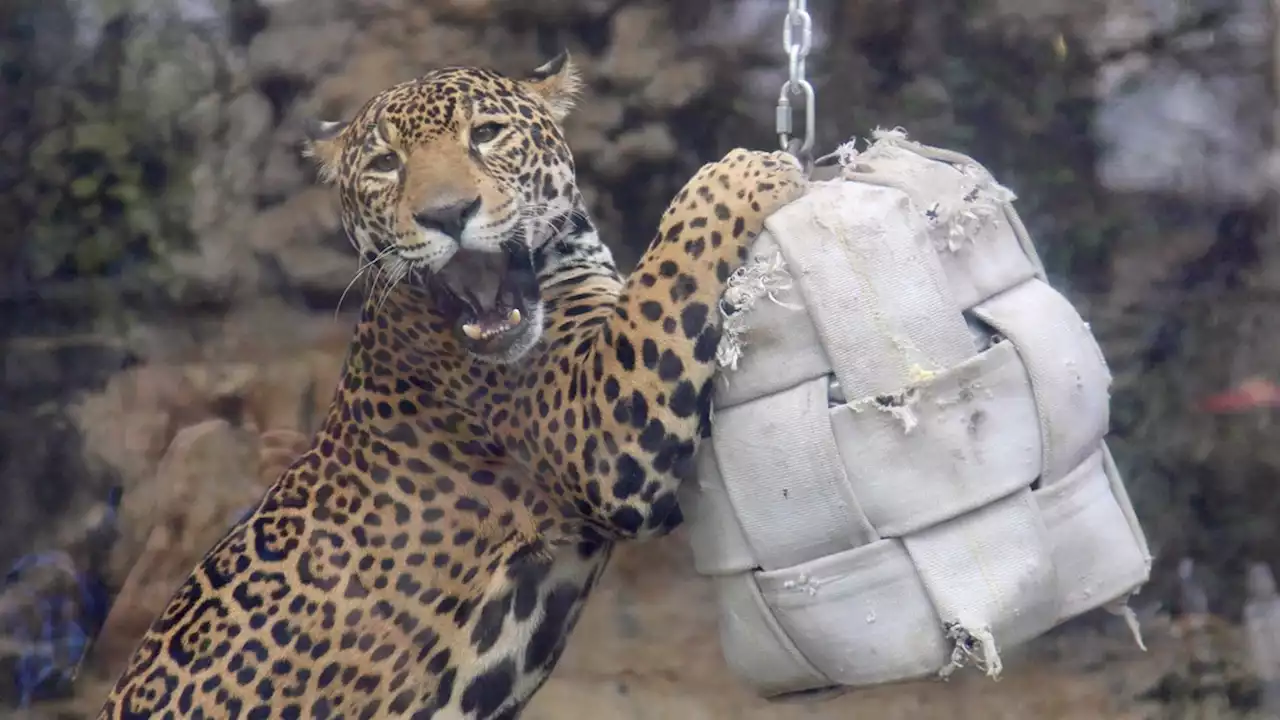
(170, 277)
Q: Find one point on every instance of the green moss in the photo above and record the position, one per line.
(106, 185)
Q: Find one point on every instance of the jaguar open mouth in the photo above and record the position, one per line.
(488, 296)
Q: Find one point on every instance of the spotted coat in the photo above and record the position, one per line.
(429, 554)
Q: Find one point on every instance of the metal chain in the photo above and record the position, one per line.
(797, 85)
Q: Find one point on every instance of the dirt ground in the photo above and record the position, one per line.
(647, 649)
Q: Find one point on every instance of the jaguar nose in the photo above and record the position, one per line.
(450, 218)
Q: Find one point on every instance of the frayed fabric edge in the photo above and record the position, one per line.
(973, 646)
(953, 222)
(761, 277)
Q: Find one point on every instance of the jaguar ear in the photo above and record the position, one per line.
(324, 143)
(557, 82)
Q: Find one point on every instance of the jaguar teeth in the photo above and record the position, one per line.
(513, 317)
(472, 331)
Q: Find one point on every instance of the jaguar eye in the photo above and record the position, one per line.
(386, 162)
(481, 134)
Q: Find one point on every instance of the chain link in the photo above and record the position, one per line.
(797, 85)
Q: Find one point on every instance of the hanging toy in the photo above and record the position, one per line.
(906, 473)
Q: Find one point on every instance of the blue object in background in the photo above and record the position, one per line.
(54, 628)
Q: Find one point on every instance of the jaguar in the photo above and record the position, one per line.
(510, 408)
